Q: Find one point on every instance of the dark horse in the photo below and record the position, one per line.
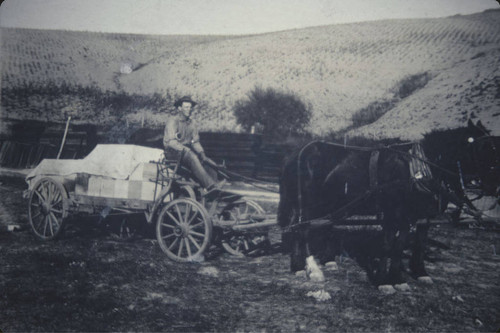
(392, 180)
(327, 181)
(461, 158)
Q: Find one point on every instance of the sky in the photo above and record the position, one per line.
(219, 17)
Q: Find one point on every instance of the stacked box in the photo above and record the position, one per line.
(140, 185)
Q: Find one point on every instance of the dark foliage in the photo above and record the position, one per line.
(281, 114)
(377, 109)
(412, 83)
(56, 97)
(372, 112)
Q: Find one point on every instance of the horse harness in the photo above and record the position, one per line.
(419, 170)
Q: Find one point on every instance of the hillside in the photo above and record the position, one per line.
(338, 70)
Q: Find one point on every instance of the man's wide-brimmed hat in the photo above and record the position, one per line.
(184, 99)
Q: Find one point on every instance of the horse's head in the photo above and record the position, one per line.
(475, 131)
(469, 152)
(486, 157)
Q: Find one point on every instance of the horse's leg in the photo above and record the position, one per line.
(395, 276)
(380, 274)
(299, 250)
(417, 265)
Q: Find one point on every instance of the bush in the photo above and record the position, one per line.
(377, 109)
(371, 113)
(280, 114)
(412, 83)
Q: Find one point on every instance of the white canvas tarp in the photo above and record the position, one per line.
(110, 160)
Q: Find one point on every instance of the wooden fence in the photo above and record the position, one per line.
(31, 142)
(247, 154)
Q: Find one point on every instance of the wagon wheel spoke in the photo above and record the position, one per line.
(36, 215)
(168, 236)
(58, 211)
(173, 218)
(37, 224)
(167, 226)
(197, 225)
(42, 192)
(188, 247)
(51, 225)
(46, 222)
(187, 213)
(50, 192)
(191, 238)
(45, 192)
(192, 218)
(57, 199)
(197, 234)
(179, 213)
(42, 199)
(173, 243)
(181, 247)
(55, 219)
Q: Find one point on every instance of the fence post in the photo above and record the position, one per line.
(257, 149)
(64, 138)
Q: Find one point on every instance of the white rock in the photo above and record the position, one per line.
(301, 273)
(402, 287)
(313, 271)
(209, 271)
(153, 295)
(425, 280)
(331, 266)
(126, 68)
(320, 295)
(197, 258)
(13, 227)
(387, 289)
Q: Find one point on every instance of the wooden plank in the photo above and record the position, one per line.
(96, 204)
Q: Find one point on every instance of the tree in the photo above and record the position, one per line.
(281, 114)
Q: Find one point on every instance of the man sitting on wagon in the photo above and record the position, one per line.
(181, 137)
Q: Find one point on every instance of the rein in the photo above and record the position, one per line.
(357, 148)
(374, 186)
(342, 210)
(228, 174)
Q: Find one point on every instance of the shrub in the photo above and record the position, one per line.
(371, 113)
(377, 109)
(280, 114)
(411, 83)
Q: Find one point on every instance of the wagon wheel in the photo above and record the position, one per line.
(47, 208)
(240, 243)
(183, 229)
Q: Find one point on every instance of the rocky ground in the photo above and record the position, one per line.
(91, 281)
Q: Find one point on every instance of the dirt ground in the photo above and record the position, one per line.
(91, 281)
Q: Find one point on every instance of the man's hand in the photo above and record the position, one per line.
(203, 157)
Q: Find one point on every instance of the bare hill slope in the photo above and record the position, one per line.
(338, 69)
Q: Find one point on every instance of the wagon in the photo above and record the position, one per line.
(132, 179)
